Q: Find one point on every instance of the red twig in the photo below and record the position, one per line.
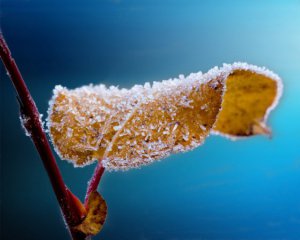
(32, 123)
(94, 182)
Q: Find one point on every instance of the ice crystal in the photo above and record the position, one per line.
(24, 122)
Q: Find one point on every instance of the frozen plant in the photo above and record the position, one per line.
(129, 128)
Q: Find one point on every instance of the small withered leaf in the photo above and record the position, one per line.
(128, 128)
(95, 217)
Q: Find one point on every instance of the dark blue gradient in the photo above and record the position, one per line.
(224, 190)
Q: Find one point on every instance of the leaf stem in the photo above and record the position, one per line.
(33, 125)
(95, 180)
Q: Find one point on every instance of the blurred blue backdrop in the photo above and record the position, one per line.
(248, 189)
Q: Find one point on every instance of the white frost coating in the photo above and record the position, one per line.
(24, 122)
(41, 121)
(134, 97)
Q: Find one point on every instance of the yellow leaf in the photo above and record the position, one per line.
(246, 100)
(128, 128)
(96, 215)
(174, 120)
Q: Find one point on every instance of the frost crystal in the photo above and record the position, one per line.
(24, 121)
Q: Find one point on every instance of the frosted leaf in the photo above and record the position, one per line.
(127, 128)
(247, 97)
(95, 216)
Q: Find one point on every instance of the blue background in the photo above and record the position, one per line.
(248, 189)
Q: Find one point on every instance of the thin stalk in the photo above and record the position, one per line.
(33, 125)
(95, 180)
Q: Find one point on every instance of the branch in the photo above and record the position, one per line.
(32, 122)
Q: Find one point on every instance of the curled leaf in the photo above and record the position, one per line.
(132, 127)
(247, 99)
(95, 217)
